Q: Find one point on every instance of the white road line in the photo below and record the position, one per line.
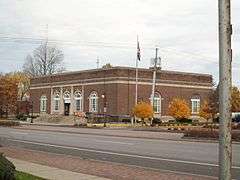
(21, 133)
(121, 154)
(114, 142)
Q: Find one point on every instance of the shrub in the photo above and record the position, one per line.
(179, 109)
(156, 121)
(21, 117)
(126, 120)
(7, 169)
(184, 121)
(9, 123)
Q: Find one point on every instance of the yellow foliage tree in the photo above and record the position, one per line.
(205, 110)
(10, 90)
(179, 109)
(235, 99)
(143, 110)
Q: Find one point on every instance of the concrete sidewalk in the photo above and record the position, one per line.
(50, 173)
(77, 167)
(107, 132)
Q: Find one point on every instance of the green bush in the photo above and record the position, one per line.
(9, 123)
(7, 169)
(156, 121)
(22, 117)
(184, 121)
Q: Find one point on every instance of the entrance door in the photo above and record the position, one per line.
(66, 109)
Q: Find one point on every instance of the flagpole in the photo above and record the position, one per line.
(136, 87)
(136, 90)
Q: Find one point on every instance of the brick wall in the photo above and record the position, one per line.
(118, 86)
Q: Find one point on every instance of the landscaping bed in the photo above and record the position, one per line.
(7, 123)
(203, 133)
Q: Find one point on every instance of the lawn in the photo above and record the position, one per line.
(24, 176)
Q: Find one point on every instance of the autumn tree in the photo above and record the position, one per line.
(23, 81)
(179, 109)
(214, 100)
(13, 87)
(46, 60)
(143, 110)
(9, 93)
(235, 99)
(205, 111)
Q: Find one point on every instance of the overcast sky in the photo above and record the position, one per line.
(185, 31)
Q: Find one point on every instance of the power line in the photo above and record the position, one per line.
(119, 45)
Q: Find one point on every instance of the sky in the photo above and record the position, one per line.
(186, 33)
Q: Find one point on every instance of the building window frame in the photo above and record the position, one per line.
(56, 101)
(78, 101)
(93, 102)
(43, 103)
(157, 103)
(195, 105)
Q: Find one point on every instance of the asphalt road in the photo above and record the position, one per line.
(180, 156)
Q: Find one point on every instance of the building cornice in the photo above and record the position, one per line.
(121, 81)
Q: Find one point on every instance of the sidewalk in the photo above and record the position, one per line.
(50, 173)
(70, 166)
(107, 132)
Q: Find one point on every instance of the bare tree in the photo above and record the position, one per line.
(46, 60)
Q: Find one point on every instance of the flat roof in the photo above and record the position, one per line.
(125, 68)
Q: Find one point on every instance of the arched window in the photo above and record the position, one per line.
(78, 101)
(43, 103)
(66, 95)
(195, 102)
(157, 103)
(56, 101)
(93, 102)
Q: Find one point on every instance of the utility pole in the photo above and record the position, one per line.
(156, 66)
(154, 76)
(97, 63)
(225, 85)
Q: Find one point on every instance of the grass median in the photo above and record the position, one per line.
(25, 176)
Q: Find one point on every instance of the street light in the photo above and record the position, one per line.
(104, 107)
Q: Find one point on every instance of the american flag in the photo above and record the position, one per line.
(138, 51)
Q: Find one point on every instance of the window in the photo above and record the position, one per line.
(93, 102)
(56, 102)
(157, 103)
(43, 104)
(78, 101)
(195, 105)
(67, 97)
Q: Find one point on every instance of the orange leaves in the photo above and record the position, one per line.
(10, 88)
(179, 109)
(143, 110)
(235, 99)
(205, 111)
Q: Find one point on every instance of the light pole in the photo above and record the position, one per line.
(104, 107)
(225, 85)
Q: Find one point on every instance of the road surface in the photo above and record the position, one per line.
(179, 156)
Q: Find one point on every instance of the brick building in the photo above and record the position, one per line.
(112, 91)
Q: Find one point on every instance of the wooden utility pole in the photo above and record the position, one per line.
(225, 82)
